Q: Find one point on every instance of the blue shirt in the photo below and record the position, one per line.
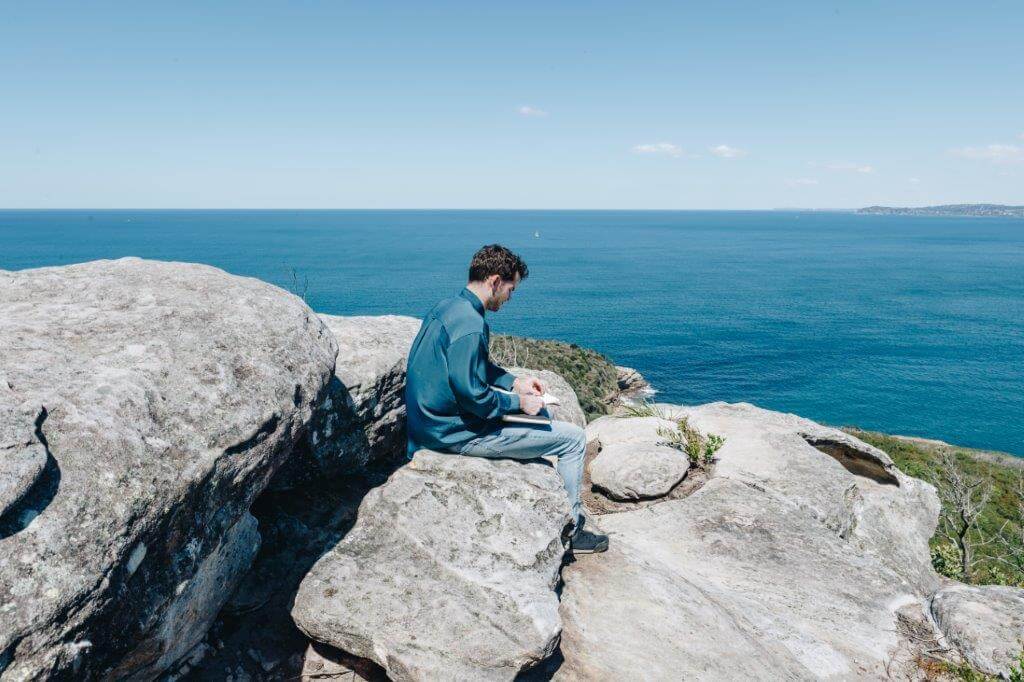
(448, 394)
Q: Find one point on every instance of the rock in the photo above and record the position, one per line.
(866, 499)
(569, 410)
(321, 662)
(361, 421)
(318, 665)
(985, 623)
(198, 599)
(614, 430)
(637, 471)
(634, 462)
(166, 395)
(313, 500)
(22, 456)
(794, 561)
(448, 573)
(631, 383)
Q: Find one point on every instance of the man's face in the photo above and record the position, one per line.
(501, 291)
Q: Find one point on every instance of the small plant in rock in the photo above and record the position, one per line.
(1017, 669)
(699, 448)
(946, 560)
(713, 444)
(299, 286)
(963, 672)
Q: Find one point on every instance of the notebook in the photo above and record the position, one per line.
(548, 398)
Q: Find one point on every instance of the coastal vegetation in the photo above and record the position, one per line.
(590, 374)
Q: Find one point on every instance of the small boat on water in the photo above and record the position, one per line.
(536, 234)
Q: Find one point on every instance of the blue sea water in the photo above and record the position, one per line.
(908, 325)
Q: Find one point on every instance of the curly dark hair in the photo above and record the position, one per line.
(495, 259)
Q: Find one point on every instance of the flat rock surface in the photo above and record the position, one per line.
(165, 396)
(448, 573)
(785, 565)
(985, 623)
(636, 470)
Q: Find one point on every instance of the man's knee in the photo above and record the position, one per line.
(575, 437)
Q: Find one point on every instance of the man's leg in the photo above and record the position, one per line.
(566, 441)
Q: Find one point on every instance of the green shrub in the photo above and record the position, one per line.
(1017, 670)
(945, 560)
(965, 673)
(700, 449)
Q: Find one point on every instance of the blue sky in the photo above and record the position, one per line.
(727, 105)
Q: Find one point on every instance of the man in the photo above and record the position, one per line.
(449, 395)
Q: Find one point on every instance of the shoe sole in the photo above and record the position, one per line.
(590, 551)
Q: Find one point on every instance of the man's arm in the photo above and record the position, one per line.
(498, 376)
(468, 374)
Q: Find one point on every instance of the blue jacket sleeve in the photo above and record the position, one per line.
(497, 376)
(467, 374)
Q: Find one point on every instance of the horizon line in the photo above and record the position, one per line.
(223, 208)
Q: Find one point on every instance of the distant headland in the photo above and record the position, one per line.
(973, 210)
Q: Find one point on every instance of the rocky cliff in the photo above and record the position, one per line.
(196, 482)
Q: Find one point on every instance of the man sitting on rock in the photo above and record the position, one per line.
(450, 401)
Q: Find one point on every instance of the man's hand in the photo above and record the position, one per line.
(531, 404)
(529, 386)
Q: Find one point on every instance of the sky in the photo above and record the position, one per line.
(638, 105)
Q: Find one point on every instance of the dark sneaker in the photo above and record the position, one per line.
(585, 542)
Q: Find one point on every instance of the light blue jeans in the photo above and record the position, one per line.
(531, 441)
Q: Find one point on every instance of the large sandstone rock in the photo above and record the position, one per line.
(361, 421)
(794, 561)
(163, 396)
(448, 573)
(986, 624)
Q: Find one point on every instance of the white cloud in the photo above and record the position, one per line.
(659, 148)
(996, 153)
(845, 166)
(724, 151)
(531, 111)
(914, 181)
(1021, 136)
(802, 182)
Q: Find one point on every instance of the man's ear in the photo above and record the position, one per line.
(494, 281)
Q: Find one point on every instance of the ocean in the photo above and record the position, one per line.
(909, 325)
